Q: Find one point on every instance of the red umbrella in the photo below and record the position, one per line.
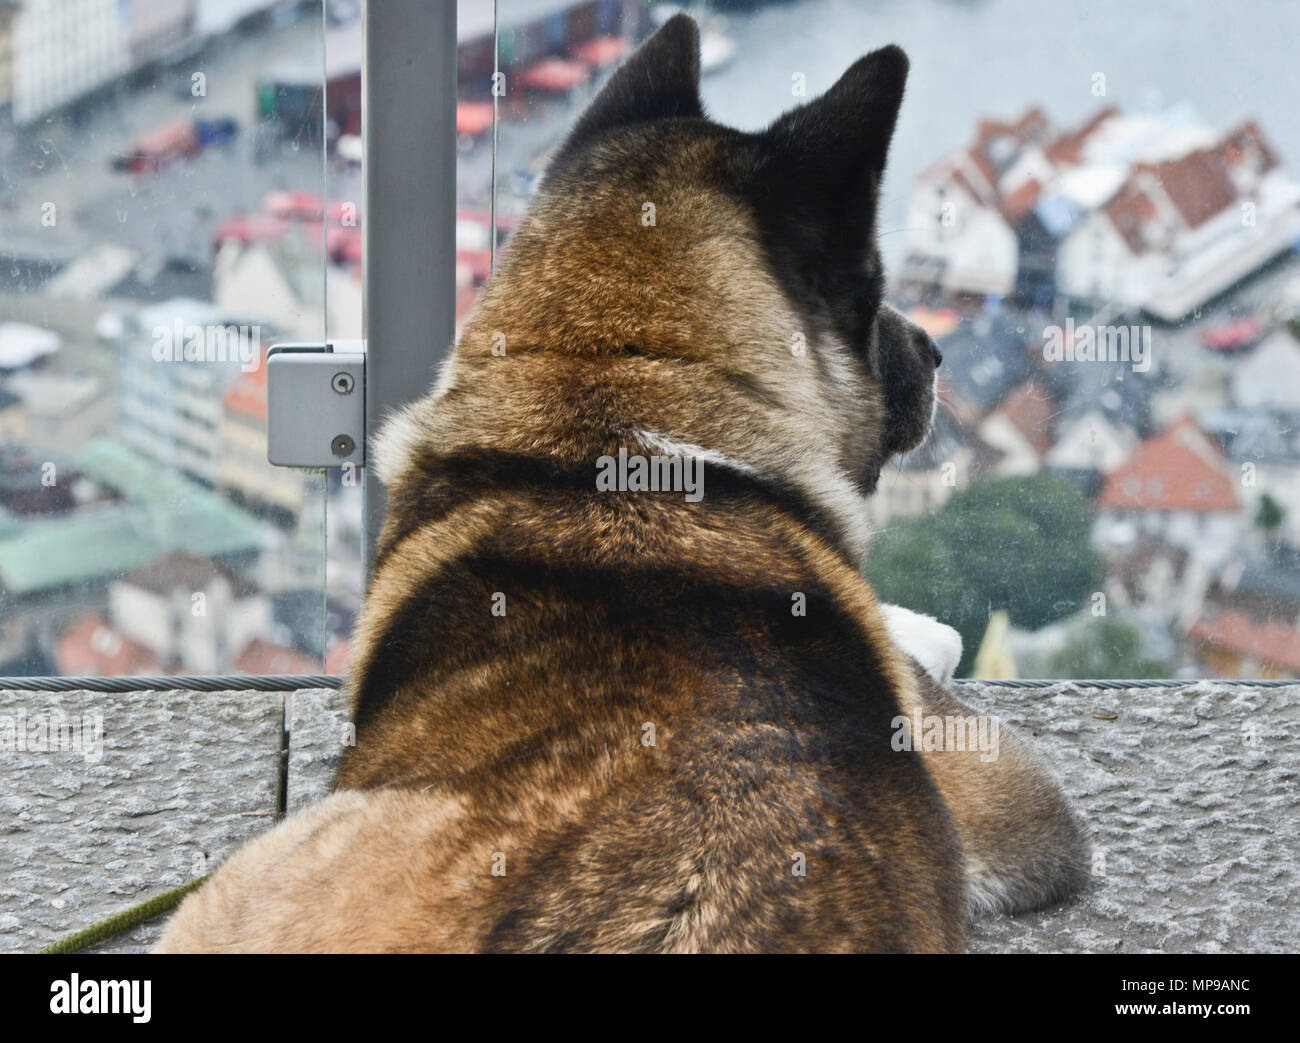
(473, 117)
(602, 51)
(556, 75)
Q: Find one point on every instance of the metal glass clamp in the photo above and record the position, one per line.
(316, 404)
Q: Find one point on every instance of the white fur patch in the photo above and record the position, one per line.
(666, 446)
(391, 451)
(936, 646)
(987, 892)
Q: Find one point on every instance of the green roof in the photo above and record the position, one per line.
(163, 512)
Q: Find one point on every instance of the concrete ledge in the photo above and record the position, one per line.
(182, 779)
(1193, 795)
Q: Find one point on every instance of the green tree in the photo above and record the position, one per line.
(1020, 544)
(1104, 648)
(1269, 515)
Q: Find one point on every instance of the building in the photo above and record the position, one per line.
(960, 212)
(1269, 375)
(279, 281)
(983, 360)
(1020, 429)
(1178, 487)
(63, 50)
(1233, 643)
(244, 474)
(1147, 211)
(922, 481)
(169, 405)
(89, 647)
(146, 512)
(1264, 449)
(1181, 230)
(192, 615)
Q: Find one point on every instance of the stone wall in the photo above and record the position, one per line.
(1192, 794)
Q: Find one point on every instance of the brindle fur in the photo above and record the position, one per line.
(650, 742)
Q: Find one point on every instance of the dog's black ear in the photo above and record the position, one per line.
(660, 81)
(834, 147)
(814, 183)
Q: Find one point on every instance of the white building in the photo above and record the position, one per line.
(171, 410)
(1268, 378)
(64, 49)
(1151, 210)
(1091, 442)
(1176, 487)
(190, 613)
(1180, 230)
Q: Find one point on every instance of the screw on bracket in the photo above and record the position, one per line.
(342, 445)
(343, 383)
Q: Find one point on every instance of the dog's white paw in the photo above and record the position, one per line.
(936, 646)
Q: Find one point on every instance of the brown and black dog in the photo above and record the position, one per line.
(618, 684)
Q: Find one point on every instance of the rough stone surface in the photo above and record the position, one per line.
(1193, 800)
(183, 779)
(1192, 794)
(319, 730)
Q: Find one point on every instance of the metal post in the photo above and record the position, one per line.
(408, 92)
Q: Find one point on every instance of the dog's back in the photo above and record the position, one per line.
(592, 716)
(671, 736)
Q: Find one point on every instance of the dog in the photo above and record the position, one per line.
(618, 684)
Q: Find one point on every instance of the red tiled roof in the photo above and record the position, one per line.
(247, 394)
(1128, 212)
(1030, 127)
(92, 648)
(1273, 642)
(1247, 142)
(1067, 149)
(1180, 469)
(1030, 410)
(1022, 200)
(264, 657)
(555, 74)
(1199, 185)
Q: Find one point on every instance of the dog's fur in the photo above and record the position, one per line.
(652, 749)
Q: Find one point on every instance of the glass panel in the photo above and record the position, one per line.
(156, 237)
(1102, 237)
(343, 195)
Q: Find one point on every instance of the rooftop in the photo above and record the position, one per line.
(1180, 469)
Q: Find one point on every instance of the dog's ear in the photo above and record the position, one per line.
(814, 184)
(660, 81)
(837, 142)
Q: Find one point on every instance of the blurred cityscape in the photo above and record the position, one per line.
(1112, 488)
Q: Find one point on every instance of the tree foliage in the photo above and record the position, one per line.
(1019, 544)
(1104, 648)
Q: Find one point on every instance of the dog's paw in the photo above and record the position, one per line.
(934, 645)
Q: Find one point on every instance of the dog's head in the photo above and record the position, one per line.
(738, 261)
(806, 189)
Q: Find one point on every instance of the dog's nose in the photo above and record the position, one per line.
(934, 350)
